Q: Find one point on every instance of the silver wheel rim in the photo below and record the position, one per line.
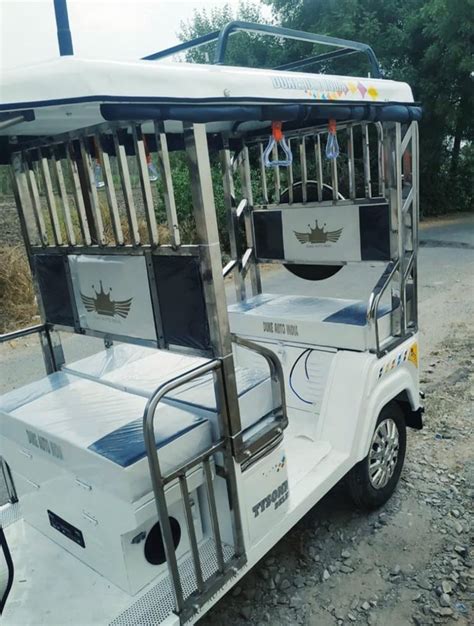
(383, 455)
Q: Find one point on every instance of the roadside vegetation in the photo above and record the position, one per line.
(17, 302)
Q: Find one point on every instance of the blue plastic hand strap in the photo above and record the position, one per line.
(332, 147)
(278, 162)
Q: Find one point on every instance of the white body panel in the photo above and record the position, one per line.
(118, 284)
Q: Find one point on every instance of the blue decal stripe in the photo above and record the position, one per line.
(125, 446)
(354, 314)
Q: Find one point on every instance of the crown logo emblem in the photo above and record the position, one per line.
(318, 235)
(103, 304)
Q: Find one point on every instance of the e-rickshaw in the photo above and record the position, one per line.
(147, 478)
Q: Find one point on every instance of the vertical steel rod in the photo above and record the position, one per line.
(351, 162)
(197, 152)
(50, 199)
(213, 514)
(319, 166)
(263, 171)
(276, 175)
(380, 159)
(366, 158)
(104, 160)
(124, 172)
(304, 170)
(191, 532)
(290, 178)
(400, 226)
(334, 179)
(163, 515)
(415, 218)
(77, 191)
(165, 170)
(35, 199)
(89, 188)
(23, 201)
(147, 193)
(70, 234)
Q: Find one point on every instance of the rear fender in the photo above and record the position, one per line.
(399, 385)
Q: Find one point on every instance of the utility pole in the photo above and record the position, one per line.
(62, 25)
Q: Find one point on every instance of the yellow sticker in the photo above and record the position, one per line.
(373, 93)
(413, 355)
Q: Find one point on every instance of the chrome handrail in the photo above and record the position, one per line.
(375, 296)
(244, 450)
(23, 332)
(157, 478)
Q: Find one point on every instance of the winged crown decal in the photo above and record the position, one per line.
(318, 235)
(104, 305)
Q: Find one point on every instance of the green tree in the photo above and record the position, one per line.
(244, 49)
(426, 43)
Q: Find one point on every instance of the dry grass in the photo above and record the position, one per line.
(17, 298)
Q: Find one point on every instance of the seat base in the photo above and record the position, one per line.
(330, 322)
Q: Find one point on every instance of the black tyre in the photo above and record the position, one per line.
(373, 480)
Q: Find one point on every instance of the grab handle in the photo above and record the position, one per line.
(277, 138)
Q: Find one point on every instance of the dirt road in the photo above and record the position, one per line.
(408, 563)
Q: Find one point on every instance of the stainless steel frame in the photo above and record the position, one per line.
(398, 185)
(401, 273)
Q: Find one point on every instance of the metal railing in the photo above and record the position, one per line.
(76, 215)
(374, 300)
(311, 177)
(246, 448)
(53, 356)
(185, 607)
(401, 272)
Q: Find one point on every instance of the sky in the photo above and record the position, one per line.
(107, 29)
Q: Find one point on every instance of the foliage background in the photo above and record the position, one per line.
(426, 43)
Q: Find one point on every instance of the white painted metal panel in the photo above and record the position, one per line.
(112, 294)
(321, 234)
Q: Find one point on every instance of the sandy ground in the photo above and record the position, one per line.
(409, 562)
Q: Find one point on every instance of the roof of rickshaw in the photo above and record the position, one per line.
(70, 93)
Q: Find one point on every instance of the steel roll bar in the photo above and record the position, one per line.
(222, 37)
(290, 33)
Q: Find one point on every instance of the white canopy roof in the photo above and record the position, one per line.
(67, 93)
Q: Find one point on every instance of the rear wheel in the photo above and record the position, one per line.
(372, 481)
